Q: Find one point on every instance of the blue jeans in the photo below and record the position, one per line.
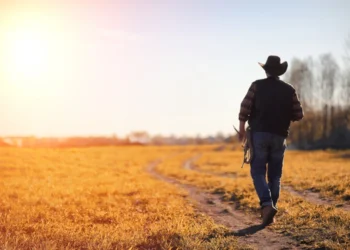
(268, 150)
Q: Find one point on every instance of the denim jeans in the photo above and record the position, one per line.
(268, 150)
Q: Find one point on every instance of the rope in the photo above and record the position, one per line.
(247, 148)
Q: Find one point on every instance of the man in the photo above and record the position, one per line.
(269, 107)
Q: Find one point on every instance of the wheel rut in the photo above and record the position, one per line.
(244, 226)
(307, 195)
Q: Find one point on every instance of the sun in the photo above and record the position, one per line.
(28, 54)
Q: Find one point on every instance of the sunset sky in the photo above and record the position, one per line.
(167, 67)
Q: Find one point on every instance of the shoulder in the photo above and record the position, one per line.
(287, 85)
(257, 83)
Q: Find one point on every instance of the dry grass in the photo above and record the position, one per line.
(327, 172)
(102, 198)
(98, 198)
(314, 226)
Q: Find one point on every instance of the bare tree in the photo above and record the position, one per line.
(347, 50)
(324, 90)
(328, 73)
(346, 83)
(301, 77)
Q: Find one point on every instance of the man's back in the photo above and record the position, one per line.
(270, 106)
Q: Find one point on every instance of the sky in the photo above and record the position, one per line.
(167, 67)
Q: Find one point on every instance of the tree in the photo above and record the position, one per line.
(328, 75)
(346, 82)
(301, 77)
(347, 50)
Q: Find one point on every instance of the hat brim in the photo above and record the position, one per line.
(275, 70)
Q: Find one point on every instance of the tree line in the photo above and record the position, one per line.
(323, 86)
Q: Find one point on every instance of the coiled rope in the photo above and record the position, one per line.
(247, 146)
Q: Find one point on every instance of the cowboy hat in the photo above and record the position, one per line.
(274, 67)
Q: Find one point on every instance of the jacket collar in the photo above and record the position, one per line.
(273, 77)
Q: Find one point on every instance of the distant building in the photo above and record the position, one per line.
(13, 141)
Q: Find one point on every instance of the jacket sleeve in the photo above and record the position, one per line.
(297, 110)
(247, 103)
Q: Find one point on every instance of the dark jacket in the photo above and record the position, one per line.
(270, 105)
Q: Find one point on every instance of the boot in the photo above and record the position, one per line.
(269, 222)
(268, 212)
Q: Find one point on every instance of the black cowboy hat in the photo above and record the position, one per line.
(274, 67)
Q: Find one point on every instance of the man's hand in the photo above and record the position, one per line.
(241, 131)
(241, 135)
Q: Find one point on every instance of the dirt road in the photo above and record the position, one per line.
(247, 228)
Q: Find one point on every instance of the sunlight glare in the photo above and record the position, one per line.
(32, 53)
(28, 54)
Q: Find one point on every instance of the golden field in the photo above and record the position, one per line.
(98, 198)
(105, 198)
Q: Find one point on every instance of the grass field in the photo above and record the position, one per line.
(104, 198)
(313, 225)
(96, 199)
(326, 172)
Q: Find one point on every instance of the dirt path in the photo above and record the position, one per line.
(244, 226)
(315, 198)
(190, 166)
(307, 195)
